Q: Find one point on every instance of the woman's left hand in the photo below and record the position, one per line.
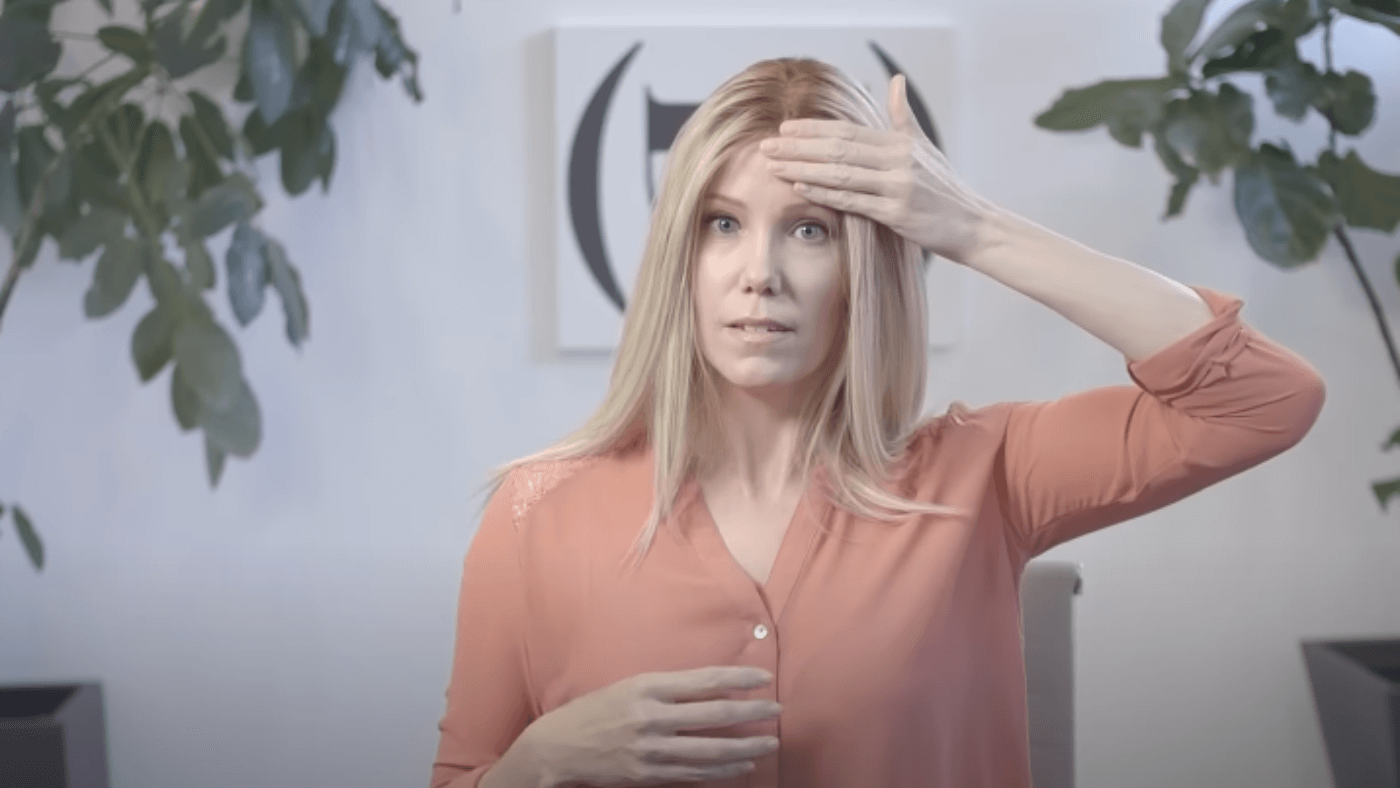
(897, 177)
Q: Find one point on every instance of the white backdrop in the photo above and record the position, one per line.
(295, 626)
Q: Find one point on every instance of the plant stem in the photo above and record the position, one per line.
(1345, 240)
(1327, 63)
(27, 244)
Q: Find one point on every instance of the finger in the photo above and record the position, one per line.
(709, 751)
(900, 117)
(879, 156)
(702, 714)
(839, 129)
(835, 176)
(704, 682)
(869, 205)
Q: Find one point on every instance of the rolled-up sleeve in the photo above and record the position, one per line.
(488, 695)
(1218, 401)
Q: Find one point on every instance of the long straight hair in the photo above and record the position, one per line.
(662, 391)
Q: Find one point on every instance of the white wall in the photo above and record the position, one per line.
(295, 627)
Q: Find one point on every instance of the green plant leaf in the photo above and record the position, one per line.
(199, 265)
(155, 159)
(316, 13)
(210, 120)
(11, 209)
(392, 55)
(125, 41)
(33, 546)
(1179, 28)
(184, 399)
(269, 60)
(1185, 175)
(354, 27)
(125, 125)
(1210, 131)
(28, 52)
(95, 187)
(7, 126)
(1235, 28)
(1287, 212)
(236, 430)
(87, 101)
(1382, 14)
(209, 362)
(233, 200)
(246, 262)
(1265, 49)
(1293, 87)
(166, 285)
(95, 229)
(1348, 100)
(205, 172)
(308, 152)
(261, 137)
(1128, 106)
(117, 271)
(183, 55)
(1366, 197)
(152, 343)
(320, 80)
(1385, 490)
(1392, 442)
(35, 154)
(287, 282)
(213, 461)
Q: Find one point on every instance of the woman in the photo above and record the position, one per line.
(823, 592)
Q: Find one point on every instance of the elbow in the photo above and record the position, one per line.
(1306, 407)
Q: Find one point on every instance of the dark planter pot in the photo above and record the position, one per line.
(1356, 688)
(52, 736)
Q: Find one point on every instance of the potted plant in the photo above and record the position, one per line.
(123, 161)
(1201, 124)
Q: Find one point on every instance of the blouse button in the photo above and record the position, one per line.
(760, 631)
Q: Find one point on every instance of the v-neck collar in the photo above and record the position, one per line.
(704, 537)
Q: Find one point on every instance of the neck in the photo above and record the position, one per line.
(757, 443)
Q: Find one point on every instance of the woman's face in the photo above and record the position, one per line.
(765, 253)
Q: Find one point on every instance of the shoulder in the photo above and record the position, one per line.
(963, 422)
(963, 430)
(530, 485)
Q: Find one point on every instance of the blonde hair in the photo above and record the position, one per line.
(861, 416)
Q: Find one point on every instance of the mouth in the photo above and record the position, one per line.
(760, 327)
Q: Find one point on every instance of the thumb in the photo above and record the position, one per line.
(900, 117)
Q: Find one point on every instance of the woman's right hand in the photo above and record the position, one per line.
(624, 734)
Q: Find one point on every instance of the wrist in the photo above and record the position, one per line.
(1003, 241)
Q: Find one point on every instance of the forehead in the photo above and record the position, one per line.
(744, 178)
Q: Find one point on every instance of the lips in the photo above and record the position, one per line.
(760, 323)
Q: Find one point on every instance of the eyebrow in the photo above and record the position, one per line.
(734, 201)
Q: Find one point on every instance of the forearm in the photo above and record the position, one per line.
(1132, 308)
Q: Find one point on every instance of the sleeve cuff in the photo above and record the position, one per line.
(1199, 358)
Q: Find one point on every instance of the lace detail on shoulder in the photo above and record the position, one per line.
(533, 481)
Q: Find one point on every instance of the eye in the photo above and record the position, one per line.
(816, 231)
(721, 223)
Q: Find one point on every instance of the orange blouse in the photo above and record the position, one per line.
(895, 648)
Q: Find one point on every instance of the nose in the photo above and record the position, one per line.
(760, 272)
